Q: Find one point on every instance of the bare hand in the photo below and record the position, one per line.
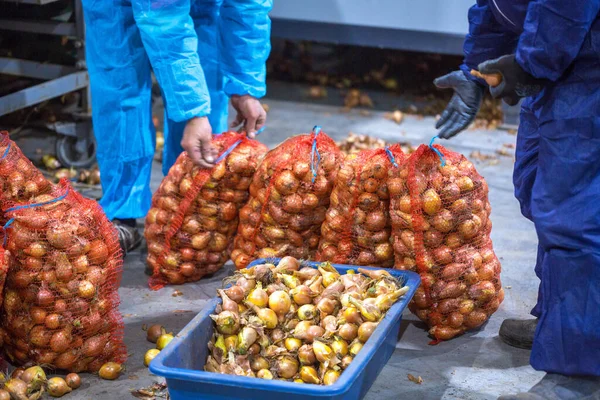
(197, 137)
(250, 114)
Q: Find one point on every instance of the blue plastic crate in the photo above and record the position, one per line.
(182, 361)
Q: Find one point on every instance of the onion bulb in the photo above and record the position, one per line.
(264, 374)
(257, 363)
(309, 374)
(228, 323)
(164, 340)
(306, 355)
(73, 380)
(366, 330)
(258, 296)
(110, 371)
(34, 377)
(149, 356)
(292, 344)
(154, 332)
(287, 367)
(57, 387)
(307, 312)
(280, 302)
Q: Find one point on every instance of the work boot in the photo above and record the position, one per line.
(518, 332)
(129, 234)
(561, 387)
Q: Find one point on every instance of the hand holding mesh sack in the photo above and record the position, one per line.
(357, 226)
(194, 213)
(289, 196)
(61, 302)
(441, 229)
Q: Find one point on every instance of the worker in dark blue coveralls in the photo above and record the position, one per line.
(203, 53)
(548, 53)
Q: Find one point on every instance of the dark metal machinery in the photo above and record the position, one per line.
(75, 146)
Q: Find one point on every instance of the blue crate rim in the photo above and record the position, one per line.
(341, 386)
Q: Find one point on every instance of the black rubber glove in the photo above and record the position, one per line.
(463, 106)
(516, 83)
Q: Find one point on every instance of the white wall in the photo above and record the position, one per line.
(443, 16)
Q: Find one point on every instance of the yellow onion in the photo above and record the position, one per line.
(323, 352)
(258, 296)
(330, 377)
(329, 274)
(368, 311)
(150, 355)
(264, 374)
(280, 302)
(326, 306)
(246, 338)
(266, 315)
(259, 363)
(340, 347)
(292, 344)
(306, 355)
(309, 374)
(287, 367)
(355, 348)
(110, 371)
(365, 331)
(352, 315)
(346, 362)
(230, 343)
(163, 341)
(307, 312)
(228, 323)
(301, 295)
(348, 331)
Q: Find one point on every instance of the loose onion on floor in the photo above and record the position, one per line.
(276, 337)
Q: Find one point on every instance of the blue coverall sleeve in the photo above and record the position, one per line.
(168, 35)
(245, 31)
(487, 39)
(553, 34)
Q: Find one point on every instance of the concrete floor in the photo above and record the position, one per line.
(474, 366)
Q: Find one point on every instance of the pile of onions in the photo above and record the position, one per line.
(289, 196)
(194, 214)
(357, 225)
(61, 302)
(20, 180)
(296, 323)
(441, 229)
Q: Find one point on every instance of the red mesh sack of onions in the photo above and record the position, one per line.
(60, 301)
(194, 214)
(357, 226)
(20, 180)
(441, 229)
(289, 196)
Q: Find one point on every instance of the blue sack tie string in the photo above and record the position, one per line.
(33, 205)
(5, 227)
(315, 156)
(439, 153)
(233, 146)
(6, 151)
(391, 156)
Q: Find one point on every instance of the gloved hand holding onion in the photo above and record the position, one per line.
(296, 323)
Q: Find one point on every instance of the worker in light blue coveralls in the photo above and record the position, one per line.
(548, 53)
(204, 53)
